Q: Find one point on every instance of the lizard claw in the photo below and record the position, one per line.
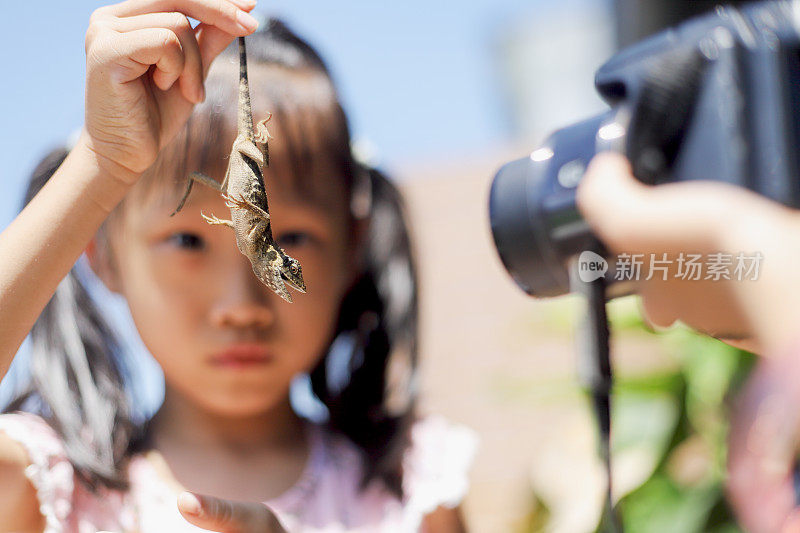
(262, 133)
(233, 202)
(242, 203)
(213, 220)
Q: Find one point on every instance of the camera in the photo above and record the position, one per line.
(715, 98)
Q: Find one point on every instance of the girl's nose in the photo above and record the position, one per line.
(244, 303)
(243, 315)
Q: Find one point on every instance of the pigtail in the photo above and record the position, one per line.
(78, 373)
(377, 331)
(367, 378)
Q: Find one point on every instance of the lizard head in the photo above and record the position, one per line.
(270, 275)
(275, 269)
(267, 268)
(292, 273)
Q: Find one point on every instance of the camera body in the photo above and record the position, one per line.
(716, 98)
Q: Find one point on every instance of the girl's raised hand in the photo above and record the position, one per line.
(145, 67)
(216, 514)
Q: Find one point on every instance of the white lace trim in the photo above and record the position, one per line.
(438, 465)
(50, 472)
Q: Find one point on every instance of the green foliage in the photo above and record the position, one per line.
(677, 420)
(685, 492)
(661, 505)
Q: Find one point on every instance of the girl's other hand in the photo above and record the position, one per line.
(216, 514)
(145, 67)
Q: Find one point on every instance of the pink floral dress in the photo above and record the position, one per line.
(324, 499)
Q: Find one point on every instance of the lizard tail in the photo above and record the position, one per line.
(245, 110)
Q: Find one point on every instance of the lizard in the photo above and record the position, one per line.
(245, 194)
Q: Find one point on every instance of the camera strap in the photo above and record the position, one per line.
(594, 370)
(664, 106)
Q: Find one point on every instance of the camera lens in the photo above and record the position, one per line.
(535, 223)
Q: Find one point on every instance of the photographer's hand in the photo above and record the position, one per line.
(707, 217)
(703, 218)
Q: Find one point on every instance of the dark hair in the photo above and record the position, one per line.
(375, 408)
(78, 372)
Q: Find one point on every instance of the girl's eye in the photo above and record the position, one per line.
(187, 241)
(293, 239)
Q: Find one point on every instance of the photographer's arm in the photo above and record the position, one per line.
(707, 217)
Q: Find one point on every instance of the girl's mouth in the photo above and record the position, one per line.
(242, 356)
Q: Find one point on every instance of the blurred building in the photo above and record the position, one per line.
(546, 63)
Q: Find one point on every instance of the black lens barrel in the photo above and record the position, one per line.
(535, 222)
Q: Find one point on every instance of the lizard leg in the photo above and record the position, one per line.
(262, 136)
(202, 178)
(242, 203)
(249, 149)
(216, 221)
(257, 230)
(225, 180)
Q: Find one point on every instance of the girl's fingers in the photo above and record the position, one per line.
(154, 46)
(191, 78)
(224, 14)
(126, 56)
(217, 514)
(220, 21)
(211, 41)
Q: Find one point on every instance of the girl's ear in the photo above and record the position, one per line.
(100, 261)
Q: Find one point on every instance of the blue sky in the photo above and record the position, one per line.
(417, 78)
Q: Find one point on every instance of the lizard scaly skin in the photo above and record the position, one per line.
(245, 194)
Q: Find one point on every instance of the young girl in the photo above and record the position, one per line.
(74, 453)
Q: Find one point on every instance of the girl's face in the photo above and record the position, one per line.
(194, 296)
